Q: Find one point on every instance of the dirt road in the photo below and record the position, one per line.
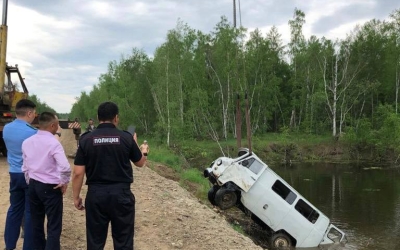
(167, 217)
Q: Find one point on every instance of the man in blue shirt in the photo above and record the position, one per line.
(14, 134)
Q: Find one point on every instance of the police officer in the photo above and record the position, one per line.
(104, 155)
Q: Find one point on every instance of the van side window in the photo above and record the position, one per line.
(284, 192)
(307, 211)
(253, 165)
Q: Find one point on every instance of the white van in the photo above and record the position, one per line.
(248, 183)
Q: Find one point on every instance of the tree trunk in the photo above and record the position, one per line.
(397, 89)
(168, 114)
(181, 94)
(334, 101)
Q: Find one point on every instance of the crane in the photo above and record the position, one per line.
(9, 94)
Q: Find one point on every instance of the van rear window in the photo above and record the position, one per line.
(283, 191)
(307, 211)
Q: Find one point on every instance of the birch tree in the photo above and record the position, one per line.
(395, 34)
(338, 75)
(296, 46)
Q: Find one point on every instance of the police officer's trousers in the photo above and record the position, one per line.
(113, 203)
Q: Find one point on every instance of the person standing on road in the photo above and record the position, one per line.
(90, 126)
(14, 134)
(104, 155)
(47, 171)
(144, 148)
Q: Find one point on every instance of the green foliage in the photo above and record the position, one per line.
(389, 131)
(360, 134)
(382, 136)
(311, 85)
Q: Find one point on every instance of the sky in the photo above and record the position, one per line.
(63, 46)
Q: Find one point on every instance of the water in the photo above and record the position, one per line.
(362, 201)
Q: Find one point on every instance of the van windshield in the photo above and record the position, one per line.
(252, 164)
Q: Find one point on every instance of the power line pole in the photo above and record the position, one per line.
(234, 13)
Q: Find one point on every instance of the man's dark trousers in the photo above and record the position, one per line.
(19, 209)
(46, 201)
(113, 203)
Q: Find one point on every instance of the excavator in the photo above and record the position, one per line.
(10, 92)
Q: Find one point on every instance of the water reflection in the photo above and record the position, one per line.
(361, 200)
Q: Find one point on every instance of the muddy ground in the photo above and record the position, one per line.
(167, 216)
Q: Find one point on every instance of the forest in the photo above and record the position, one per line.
(347, 88)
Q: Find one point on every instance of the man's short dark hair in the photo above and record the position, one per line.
(107, 111)
(23, 106)
(45, 118)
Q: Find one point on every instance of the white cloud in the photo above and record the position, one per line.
(119, 48)
(36, 34)
(62, 47)
(342, 31)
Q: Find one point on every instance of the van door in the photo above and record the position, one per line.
(270, 199)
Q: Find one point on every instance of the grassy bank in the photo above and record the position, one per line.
(170, 165)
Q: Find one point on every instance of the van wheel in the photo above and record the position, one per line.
(280, 241)
(211, 194)
(225, 198)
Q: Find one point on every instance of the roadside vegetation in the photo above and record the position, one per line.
(310, 99)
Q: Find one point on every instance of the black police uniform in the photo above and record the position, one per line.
(106, 153)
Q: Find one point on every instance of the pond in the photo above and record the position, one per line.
(361, 200)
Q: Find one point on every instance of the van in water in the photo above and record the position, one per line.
(248, 183)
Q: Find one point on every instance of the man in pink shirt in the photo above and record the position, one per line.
(48, 172)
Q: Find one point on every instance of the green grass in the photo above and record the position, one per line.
(193, 175)
(258, 140)
(238, 228)
(163, 155)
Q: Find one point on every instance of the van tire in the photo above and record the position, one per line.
(280, 241)
(225, 198)
(211, 194)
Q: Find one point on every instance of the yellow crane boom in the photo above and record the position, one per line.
(9, 95)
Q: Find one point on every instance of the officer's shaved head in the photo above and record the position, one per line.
(107, 111)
